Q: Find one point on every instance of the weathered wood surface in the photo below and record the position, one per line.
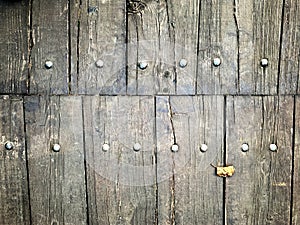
(289, 64)
(102, 36)
(259, 36)
(188, 190)
(82, 184)
(13, 46)
(14, 194)
(74, 32)
(49, 41)
(75, 35)
(260, 190)
(161, 33)
(121, 182)
(217, 39)
(296, 181)
(57, 179)
(240, 33)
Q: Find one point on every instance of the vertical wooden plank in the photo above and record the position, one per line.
(50, 42)
(188, 190)
(296, 182)
(14, 195)
(161, 33)
(57, 179)
(259, 36)
(240, 33)
(260, 190)
(13, 45)
(102, 38)
(75, 12)
(289, 70)
(121, 181)
(217, 39)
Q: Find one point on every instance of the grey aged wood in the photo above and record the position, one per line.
(102, 36)
(74, 29)
(161, 33)
(260, 190)
(188, 190)
(289, 70)
(96, 48)
(259, 37)
(241, 33)
(13, 46)
(14, 197)
(217, 39)
(50, 42)
(57, 179)
(121, 182)
(296, 181)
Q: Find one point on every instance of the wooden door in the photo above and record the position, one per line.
(125, 112)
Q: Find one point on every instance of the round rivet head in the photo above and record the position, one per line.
(183, 63)
(99, 63)
(105, 147)
(48, 64)
(137, 147)
(143, 65)
(203, 147)
(175, 148)
(245, 147)
(264, 62)
(216, 61)
(56, 147)
(273, 147)
(9, 145)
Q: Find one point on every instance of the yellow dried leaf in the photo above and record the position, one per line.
(225, 171)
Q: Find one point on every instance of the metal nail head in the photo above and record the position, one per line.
(48, 64)
(137, 147)
(99, 63)
(56, 147)
(9, 145)
(264, 62)
(203, 147)
(183, 63)
(175, 148)
(105, 147)
(273, 147)
(143, 65)
(245, 147)
(216, 61)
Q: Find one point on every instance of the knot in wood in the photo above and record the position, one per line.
(135, 6)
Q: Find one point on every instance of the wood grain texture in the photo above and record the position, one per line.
(74, 32)
(289, 70)
(241, 33)
(161, 33)
(296, 182)
(50, 28)
(121, 182)
(260, 190)
(188, 190)
(217, 39)
(13, 46)
(14, 195)
(102, 36)
(57, 179)
(259, 24)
